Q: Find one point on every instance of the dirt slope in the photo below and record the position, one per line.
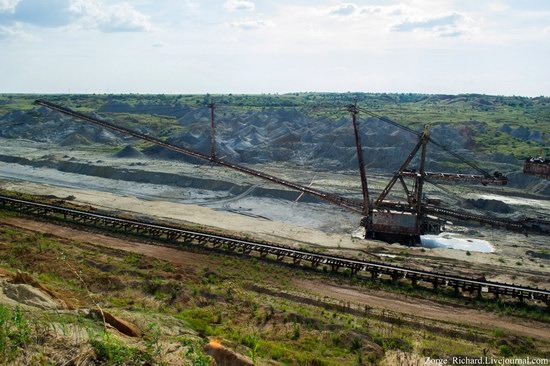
(391, 301)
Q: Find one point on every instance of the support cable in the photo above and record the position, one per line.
(436, 143)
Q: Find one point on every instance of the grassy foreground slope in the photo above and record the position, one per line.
(188, 299)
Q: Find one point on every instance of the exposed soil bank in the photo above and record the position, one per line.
(172, 179)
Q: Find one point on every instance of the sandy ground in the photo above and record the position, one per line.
(395, 302)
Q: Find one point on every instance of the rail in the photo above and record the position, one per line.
(246, 247)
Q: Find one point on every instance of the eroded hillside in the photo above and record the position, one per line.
(166, 306)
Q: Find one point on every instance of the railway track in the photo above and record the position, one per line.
(278, 252)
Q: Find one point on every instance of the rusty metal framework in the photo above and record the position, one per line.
(180, 238)
(348, 203)
(405, 223)
(537, 166)
(360, 159)
(212, 107)
(454, 177)
(412, 217)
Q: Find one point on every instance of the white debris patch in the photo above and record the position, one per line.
(448, 241)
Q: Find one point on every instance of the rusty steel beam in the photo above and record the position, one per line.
(452, 177)
(538, 167)
(419, 182)
(347, 203)
(451, 214)
(212, 107)
(360, 159)
(395, 177)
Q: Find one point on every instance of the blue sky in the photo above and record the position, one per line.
(257, 46)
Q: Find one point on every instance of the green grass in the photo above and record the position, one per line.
(214, 298)
(15, 332)
(111, 351)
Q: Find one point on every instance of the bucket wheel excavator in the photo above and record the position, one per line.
(404, 222)
(383, 219)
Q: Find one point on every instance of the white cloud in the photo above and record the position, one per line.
(8, 5)
(251, 24)
(110, 18)
(7, 32)
(405, 18)
(351, 9)
(234, 5)
(94, 14)
(547, 30)
(343, 10)
(445, 25)
(387, 10)
(124, 18)
(14, 32)
(50, 14)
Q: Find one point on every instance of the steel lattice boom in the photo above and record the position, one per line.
(354, 205)
(348, 203)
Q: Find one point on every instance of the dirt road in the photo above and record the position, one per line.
(427, 309)
(385, 300)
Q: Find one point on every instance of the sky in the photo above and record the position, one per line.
(499, 47)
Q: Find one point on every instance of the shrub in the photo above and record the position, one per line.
(356, 344)
(296, 332)
(110, 350)
(394, 343)
(15, 332)
(505, 351)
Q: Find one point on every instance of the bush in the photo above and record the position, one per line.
(15, 332)
(505, 351)
(394, 343)
(356, 344)
(296, 332)
(110, 350)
